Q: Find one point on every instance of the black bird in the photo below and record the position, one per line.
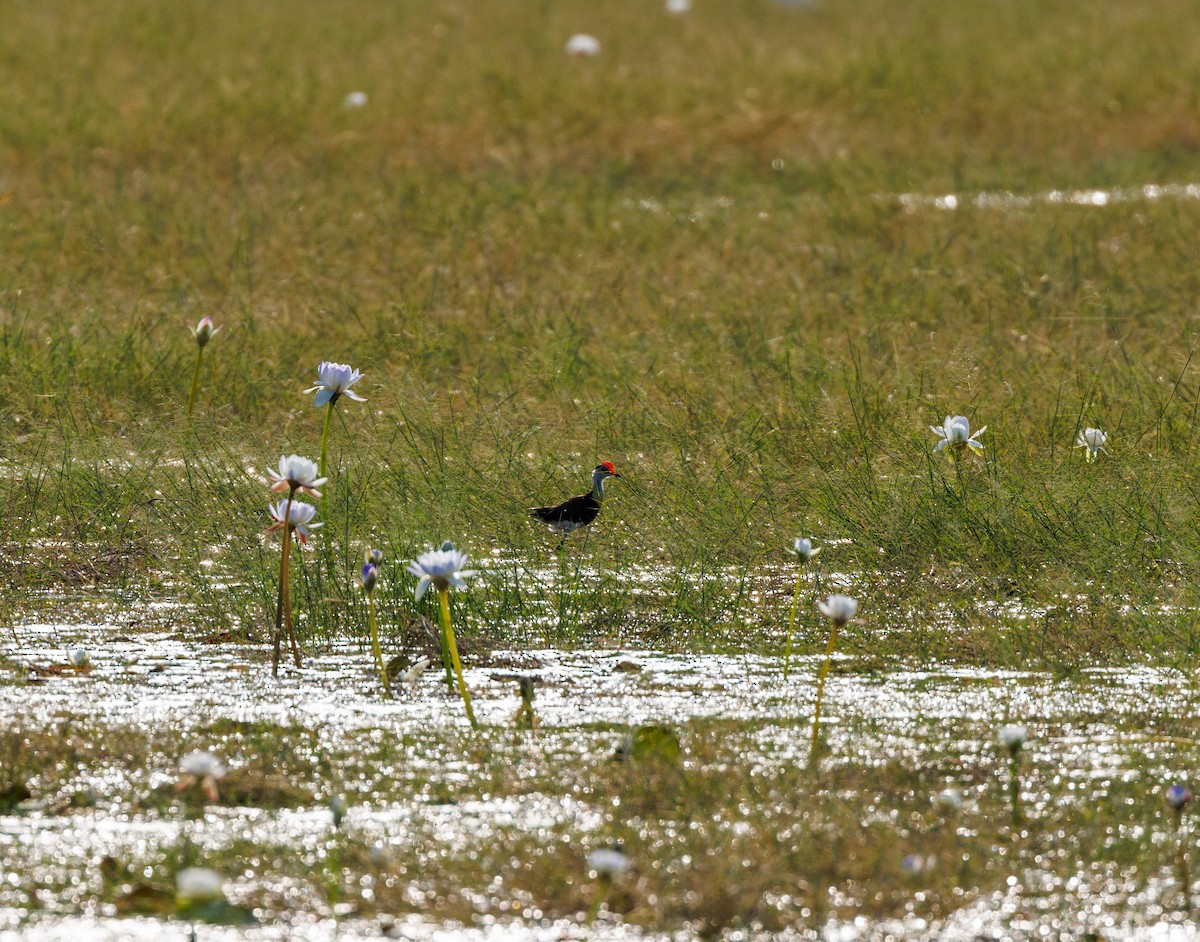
(577, 512)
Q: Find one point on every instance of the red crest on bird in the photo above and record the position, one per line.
(608, 465)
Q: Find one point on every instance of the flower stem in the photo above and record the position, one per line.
(601, 896)
(325, 437)
(816, 730)
(1014, 788)
(452, 648)
(387, 687)
(195, 381)
(787, 652)
(283, 603)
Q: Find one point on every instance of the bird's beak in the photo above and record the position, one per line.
(615, 474)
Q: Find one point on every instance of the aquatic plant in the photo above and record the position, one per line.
(296, 474)
(525, 718)
(608, 863)
(333, 381)
(1012, 737)
(803, 550)
(443, 568)
(203, 333)
(291, 516)
(955, 434)
(79, 660)
(583, 44)
(369, 578)
(202, 768)
(1178, 797)
(198, 885)
(338, 809)
(839, 609)
(1092, 440)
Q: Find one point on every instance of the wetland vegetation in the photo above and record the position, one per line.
(750, 254)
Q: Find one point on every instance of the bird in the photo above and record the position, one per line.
(576, 512)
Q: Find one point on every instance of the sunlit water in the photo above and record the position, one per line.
(585, 699)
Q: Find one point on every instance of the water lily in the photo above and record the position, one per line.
(803, 550)
(948, 799)
(1178, 796)
(296, 474)
(355, 100)
(1093, 441)
(607, 863)
(201, 768)
(202, 764)
(298, 515)
(291, 516)
(839, 609)
(679, 6)
(338, 809)
(583, 44)
(198, 885)
(333, 381)
(956, 434)
(79, 659)
(1012, 737)
(443, 568)
(203, 332)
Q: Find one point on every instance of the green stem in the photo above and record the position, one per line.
(283, 602)
(387, 687)
(601, 896)
(787, 653)
(816, 731)
(1014, 789)
(195, 381)
(452, 648)
(444, 602)
(325, 437)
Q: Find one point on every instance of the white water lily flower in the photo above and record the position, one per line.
(608, 862)
(1012, 737)
(196, 884)
(300, 517)
(839, 609)
(679, 6)
(803, 549)
(441, 569)
(582, 44)
(355, 100)
(79, 658)
(202, 764)
(949, 799)
(333, 381)
(1093, 440)
(956, 433)
(296, 473)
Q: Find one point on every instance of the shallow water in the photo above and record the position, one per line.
(1081, 742)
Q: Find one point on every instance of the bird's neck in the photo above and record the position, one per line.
(597, 486)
